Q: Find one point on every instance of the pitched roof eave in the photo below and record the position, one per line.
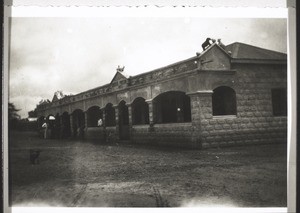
(118, 72)
(250, 52)
(210, 47)
(257, 61)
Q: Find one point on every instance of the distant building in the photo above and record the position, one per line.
(220, 97)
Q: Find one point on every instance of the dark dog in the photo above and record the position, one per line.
(34, 156)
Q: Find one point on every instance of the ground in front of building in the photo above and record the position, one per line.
(80, 173)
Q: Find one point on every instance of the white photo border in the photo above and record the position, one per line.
(37, 11)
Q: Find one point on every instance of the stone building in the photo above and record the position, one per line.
(231, 96)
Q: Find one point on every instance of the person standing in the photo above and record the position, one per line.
(100, 122)
(45, 126)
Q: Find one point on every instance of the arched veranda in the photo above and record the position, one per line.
(94, 113)
(172, 107)
(78, 123)
(140, 111)
(123, 121)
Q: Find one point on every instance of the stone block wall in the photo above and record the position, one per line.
(111, 135)
(140, 134)
(101, 134)
(96, 134)
(254, 122)
(175, 134)
(238, 131)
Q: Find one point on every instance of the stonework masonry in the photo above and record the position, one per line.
(194, 79)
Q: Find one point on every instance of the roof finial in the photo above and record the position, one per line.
(120, 69)
(221, 44)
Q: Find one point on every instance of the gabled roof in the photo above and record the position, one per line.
(246, 51)
(119, 75)
(211, 46)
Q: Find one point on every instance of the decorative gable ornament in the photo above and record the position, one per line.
(120, 69)
(120, 74)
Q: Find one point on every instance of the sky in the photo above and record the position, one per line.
(77, 54)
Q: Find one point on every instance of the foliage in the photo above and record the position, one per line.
(12, 112)
(13, 116)
(32, 114)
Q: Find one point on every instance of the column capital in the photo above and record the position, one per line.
(149, 100)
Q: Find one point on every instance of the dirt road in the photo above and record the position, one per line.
(80, 173)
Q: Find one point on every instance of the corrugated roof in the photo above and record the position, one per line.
(246, 51)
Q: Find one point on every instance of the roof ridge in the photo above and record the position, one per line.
(261, 48)
(208, 48)
(164, 67)
(144, 73)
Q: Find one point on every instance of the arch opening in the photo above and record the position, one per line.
(224, 101)
(56, 127)
(94, 113)
(123, 115)
(110, 116)
(140, 111)
(78, 122)
(65, 125)
(172, 107)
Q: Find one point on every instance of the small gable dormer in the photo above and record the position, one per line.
(214, 58)
(120, 79)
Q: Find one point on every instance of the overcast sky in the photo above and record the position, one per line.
(77, 54)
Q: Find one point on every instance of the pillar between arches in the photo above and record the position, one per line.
(71, 125)
(86, 120)
(103, 116)
(129, 114)
(151, 112)
(116, 107)
(201, 111)
(61, 121)
(130, 119)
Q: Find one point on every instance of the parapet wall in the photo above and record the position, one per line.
(176, 135)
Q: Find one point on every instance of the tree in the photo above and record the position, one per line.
(32, 114)
(13, 116)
